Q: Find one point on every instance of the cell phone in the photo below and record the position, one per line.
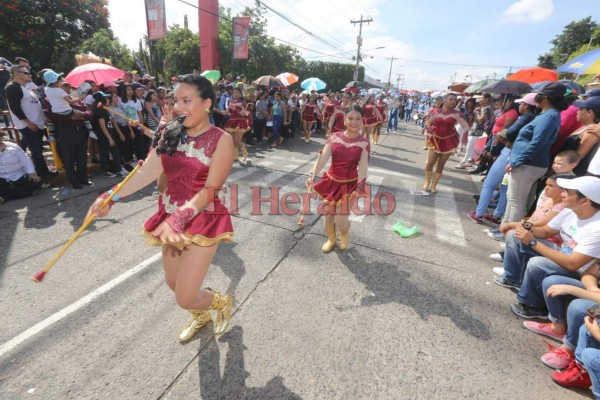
(593, 311)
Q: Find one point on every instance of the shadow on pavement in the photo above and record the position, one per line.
(232, 385)
(392, 285)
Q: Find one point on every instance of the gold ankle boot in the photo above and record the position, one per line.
(436, 179)
(244, 154)
(236, 155)
(330, 243)
(344, 233)
(427, 184)
(223, 305)
(200, 318)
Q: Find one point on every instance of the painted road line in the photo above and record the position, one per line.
(448, 224)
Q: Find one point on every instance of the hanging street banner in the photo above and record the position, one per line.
(241, 32)
(156, 19)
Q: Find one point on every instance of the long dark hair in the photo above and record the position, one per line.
(124, 94)
(174, 131)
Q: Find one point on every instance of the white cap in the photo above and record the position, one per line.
(589, 186)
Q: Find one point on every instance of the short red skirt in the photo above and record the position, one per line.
(237, 125)
(442, 145)
(334, 191)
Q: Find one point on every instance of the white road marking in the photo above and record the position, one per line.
(375, 182)
(405, 206)
(448, 224)
(54, 318)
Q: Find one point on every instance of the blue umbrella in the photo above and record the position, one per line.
(569, 84)
(313, 84)
(585, 64)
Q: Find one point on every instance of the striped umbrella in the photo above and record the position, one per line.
(313, 84)
(287, 78)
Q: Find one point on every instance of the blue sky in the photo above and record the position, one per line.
(427, 36)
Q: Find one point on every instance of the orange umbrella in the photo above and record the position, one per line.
(533, 75)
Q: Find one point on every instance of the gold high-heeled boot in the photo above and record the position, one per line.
(200, 318)
(344, 233)
(427, 184)
(236, 155)
(330, 243)
(436, 179)
(244, 154)
(223, 305)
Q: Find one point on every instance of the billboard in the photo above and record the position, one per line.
(241, 32)
(156, 19)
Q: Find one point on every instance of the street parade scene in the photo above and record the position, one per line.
(241, 199)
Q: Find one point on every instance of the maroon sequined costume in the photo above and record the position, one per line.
(442, 137)
(328, 112)
(237, 121)
(338, 125)
(369, 116)
(341, 179)
(381, 107)
(309, 114)
(186, 171)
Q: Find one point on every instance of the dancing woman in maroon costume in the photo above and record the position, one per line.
(336, 122)
(371, 116)
(309, 114)
(382, 108)
(196, 159)
(345, 179)
(442, 139)
(237, 124)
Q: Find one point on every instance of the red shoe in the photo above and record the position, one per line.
(544, 329)
(557, 357)
(474, 217)
(574, 376)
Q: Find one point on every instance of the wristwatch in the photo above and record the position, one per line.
(532, 243)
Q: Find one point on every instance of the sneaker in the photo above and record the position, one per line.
(476, 198)
(460, 166)
(557, 357)
(491, 230)
(499, 271)
(122, 174)
(500, 280)
(474, 217)
(544, 329)
(525, 311)
(573, 376)
(492, 219)
(499, 236)
(498, 257)
(109, 174)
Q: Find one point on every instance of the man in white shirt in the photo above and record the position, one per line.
(28, 117)
(17, 173)
(530, 259)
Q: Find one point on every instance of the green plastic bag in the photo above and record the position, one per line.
(404, 231)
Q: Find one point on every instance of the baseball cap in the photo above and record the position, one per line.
(592, 103)
(52, 77)
(589, 186)
(136, 85)
(529, 98)
(99, 95)
(552, 90)
(592, 93)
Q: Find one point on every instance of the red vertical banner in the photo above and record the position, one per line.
(208, 24)
(241, 33)
(156, 19)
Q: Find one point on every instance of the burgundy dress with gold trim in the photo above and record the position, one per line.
(442, 137)
(186, 171)
(328, 112)
(369, 116)
(237, 122)
(341, 179)
(338, 125)
(309, 114)
(381, 107)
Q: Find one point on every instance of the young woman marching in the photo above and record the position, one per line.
(372, 115)
(345, 179)
(336, 122)
(382, 108)
(237, 124)
(196, 159)
(308, 115)
(442, 139)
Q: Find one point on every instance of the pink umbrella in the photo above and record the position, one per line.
(96, 72)
(287, 78)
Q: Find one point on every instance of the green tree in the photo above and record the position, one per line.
(49, 32)
(179, 51)
(104, 44)
(573, 37)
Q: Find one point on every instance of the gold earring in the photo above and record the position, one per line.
(207, 110)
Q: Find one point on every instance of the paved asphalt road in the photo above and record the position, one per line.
(389, 318)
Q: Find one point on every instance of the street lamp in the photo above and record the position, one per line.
(359, 56)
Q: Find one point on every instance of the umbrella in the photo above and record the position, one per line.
(96, 72)
(569, 84)
(357, 84)
(477, 86)
(533, 75)
(313, 84)
(439, 93)
(287, 78)
(269, 81)
(212, 75)
(459, 87)
(427, 90)
(585, 64)
(506, 86)
(351, 89)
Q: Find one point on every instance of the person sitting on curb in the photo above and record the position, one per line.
(528, 260)
(17, 174)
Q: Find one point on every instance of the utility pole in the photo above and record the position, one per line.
(389, 82)
(400, 81)
(359, 42)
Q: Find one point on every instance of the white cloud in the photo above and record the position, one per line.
(529, 10)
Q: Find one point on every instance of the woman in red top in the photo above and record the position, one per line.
(336, 122)
(442, 139)
(345, 179)
(309, 113)
(196, 159)
(382, 108)
(238, 123)
(371, 116)
(328, 109)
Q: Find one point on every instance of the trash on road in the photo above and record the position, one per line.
(405, 231)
